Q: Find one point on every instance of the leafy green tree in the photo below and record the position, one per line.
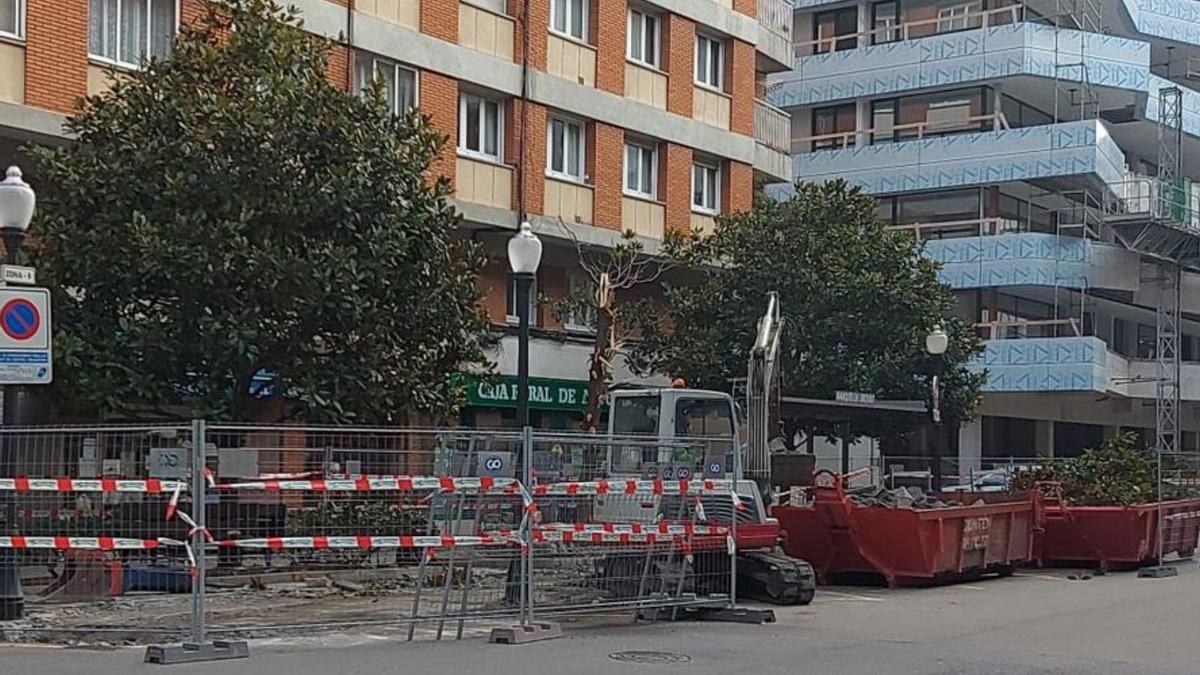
(857, 300)
(227, 213)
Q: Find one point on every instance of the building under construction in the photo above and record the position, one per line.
(1045, 153)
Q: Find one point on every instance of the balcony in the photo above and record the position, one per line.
(772, 133)
(646, 85)
(1031, 259)
(571, 60)
(485, 31)
(1071, 362)
(404, 12)
(484, 183)
(775, 34)
(1080, 149)
(1173, 20)
(917, 55)
(12, 73)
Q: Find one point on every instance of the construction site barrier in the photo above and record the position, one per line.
(226, 531)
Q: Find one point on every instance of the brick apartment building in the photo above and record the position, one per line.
(593, 116)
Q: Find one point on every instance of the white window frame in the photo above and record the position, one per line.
(954, 17)
(100, 58)
(376, 64)
(578, 320)
(482, 154)
(565, 174)
(642, 18)
(636, 190)
(19, 6)
(510, 301)
(569, 19)
(704, 43)
(716, 195)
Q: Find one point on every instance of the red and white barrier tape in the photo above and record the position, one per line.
(369, 542)
(636, 528)
(86, 543)
(570, 536)
(147, 486)
(633, 487)
(381, 483)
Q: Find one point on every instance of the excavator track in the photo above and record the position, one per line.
(776, 578)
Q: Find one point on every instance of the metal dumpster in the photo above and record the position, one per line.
(1116, 537)
(845, 541)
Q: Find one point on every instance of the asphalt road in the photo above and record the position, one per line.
(1035, 623)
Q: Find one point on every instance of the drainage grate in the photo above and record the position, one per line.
(649, 657)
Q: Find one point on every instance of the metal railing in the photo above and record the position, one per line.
(244, 530)
(1148, 197)
(1019, 328)
(910, 30)
(776, 16)
(975, 227)
(772, 126)
(900, 133)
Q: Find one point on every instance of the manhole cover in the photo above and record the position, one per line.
(649, 657)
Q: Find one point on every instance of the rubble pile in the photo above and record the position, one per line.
(898, 498)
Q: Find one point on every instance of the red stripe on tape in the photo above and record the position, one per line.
(64, 484)
(106, 543)
(18, 541)
(320, 542)
(62, 543)
(486, 483)
(318, 483)
(274, 543)
(364, 542)
(446, 483)
(22, 484)
(108, 485)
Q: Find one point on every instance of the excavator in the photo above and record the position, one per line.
(698, 434)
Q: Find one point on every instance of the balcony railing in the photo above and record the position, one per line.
(772, 127)
(909, 30)
(906, 132)
(1020, 328)
(776, 16)
(1147, 197)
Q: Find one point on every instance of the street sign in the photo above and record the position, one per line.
(25, 336)
(853, 397)
(15, 274)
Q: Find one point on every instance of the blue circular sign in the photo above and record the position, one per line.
(684, 472)
(715, 467)
(666, 472)
(20, 319)
(493, 463)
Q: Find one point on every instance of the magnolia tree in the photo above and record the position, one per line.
(229, 229)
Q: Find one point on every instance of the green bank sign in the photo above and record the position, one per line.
(544, 393)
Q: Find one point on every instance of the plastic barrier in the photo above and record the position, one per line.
(1116, 537)
(906, 546)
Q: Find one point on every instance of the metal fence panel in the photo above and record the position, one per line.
(90, 524)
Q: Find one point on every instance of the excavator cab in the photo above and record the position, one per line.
(690, 433)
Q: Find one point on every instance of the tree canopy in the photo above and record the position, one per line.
(230, 228)
(857, 300)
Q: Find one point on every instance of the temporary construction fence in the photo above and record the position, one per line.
(316, 528)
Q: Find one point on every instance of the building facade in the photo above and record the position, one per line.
(1012, 138)
(586, 118)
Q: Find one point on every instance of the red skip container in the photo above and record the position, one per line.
(1116, 537)
(907, 546)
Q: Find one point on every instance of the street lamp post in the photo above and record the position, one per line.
(936, 344)
(16, 210)
(524, 256)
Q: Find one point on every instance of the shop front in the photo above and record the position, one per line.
(553, 403)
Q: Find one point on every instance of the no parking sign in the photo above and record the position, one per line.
(25, 336)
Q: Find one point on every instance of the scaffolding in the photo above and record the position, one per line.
(1158, 225)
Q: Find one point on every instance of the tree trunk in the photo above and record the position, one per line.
(599, 370)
